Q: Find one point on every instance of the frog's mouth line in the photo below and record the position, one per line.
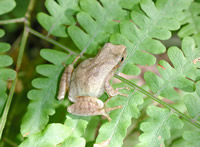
(118, 65)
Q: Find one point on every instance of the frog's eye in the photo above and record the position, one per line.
(122, 59)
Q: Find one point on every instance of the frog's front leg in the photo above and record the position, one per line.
(88, 106)
(109, 89)
(65, 79)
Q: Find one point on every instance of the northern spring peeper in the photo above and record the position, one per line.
(88, 81)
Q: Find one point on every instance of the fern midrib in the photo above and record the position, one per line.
(120, 116)
(97, 31)
(145, 33)
(157, 131)
(46, 100)
(105, 20)
(58, 17)
(153, 97)
(54, 24)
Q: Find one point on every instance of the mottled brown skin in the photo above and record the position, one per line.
(90, 79)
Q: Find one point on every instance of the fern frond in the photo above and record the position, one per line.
(192, 138)
(192, 102)
(67, 135)
(115, 131)
(43, 98)
(191, 21)
(61, 15)
(97, 22)
(182, 75)
(78, 125)
(157, 128)
(53, 135)
(6, 73)
(152, 23)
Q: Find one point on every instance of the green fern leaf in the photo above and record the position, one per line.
(157, 128)
(177, 76)
(78, 124)
(198, 88)
(6, 6)
(115, 131)
(192, 21)
(192, 138)
(141, 35)
(6, 74)
(52, 136)
(68, 135)
(74, 142)
(192, 102)
(91, 130)
(2, 33)
(128, 4)
(61, 16)
(97, 21)
(43, 98)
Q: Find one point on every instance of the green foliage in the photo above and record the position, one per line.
(192, 102)
(6, 74)
(43, 98)
(61, 15)
(128, 4)
(176, 76)
(191, 21)
(96, 24)
(157, 128)
(53, 135)
(141, 35)
(6, 6)
(142, 26)
(115, 131)
(78, 126)
(192, 138)
(67, 135)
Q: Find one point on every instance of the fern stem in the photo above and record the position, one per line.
(7, 107)
(157, 100)
(10, 142)
(22, 48)
(16, 20)
(37, 34)
(18, 65)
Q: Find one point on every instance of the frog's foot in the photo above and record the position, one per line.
(121, 88)
(76, 59)
(114, 92)
(110, 109)
(89, 106)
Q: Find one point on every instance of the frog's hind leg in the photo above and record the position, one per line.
(88, 106)
(65, 79)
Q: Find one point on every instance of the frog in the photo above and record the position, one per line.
(90, 79)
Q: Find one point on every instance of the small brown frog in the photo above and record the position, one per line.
(90, 79)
